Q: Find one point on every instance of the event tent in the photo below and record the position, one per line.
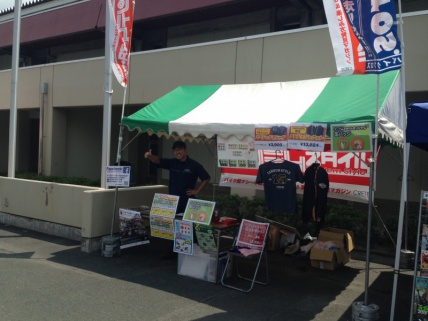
(416, 131)
(224, 110)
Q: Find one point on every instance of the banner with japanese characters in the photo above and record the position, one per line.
(270, 136)
(307, 136)
(349, 173)
(121, 21)
(238, 153)
(351, 137)
(364, 36)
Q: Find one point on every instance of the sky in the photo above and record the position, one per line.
(6, 4)
(9, 3)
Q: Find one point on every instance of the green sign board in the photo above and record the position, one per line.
(351, 137)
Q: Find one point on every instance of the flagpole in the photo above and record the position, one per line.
(14, 87)
(403, 198)
(105, 154)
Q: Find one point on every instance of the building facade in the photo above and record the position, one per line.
(174, 43)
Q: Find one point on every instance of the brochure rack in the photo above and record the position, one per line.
(420, 279)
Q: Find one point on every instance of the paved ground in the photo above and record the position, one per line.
(48, 278)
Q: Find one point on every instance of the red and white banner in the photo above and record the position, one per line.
(364, 36)
(349, 173)
(121, 21)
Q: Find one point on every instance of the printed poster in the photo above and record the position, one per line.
(132, 231)
(235, 153)
(164, 205)
(351, 137)
(348, 173)
(183, 237)
(424, 259)
(421, 298)
(271, 136)
(162, 227)
(205, 237)
(309, 137)
(199, 211)
(118, 176)
(252, 234)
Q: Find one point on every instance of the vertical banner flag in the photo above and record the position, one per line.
(364, 36)
(121, 21)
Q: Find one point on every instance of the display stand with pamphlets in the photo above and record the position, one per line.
(420, 282)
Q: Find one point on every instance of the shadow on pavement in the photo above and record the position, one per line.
(296, 290)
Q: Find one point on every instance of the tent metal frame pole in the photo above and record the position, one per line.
(406, 147)
(371, 191)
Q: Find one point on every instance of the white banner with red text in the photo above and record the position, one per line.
(121, 21)
(349, 173)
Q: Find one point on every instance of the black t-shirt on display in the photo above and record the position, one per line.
(315, 193)
(279, 182)
(182, 177)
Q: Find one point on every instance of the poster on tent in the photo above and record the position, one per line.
(183, 237)
(162, 227)
(272, 136)
(351, 137)
(164, 205)
(349, 174)
(237, 153)
(199, 211)
(307, 136)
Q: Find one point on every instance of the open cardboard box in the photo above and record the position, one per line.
(276, 231)
(328, 259)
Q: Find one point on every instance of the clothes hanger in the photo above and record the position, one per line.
(277, 159)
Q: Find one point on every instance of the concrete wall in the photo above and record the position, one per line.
(77, 212)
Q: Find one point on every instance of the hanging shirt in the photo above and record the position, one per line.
(315, 193)
(279, 183)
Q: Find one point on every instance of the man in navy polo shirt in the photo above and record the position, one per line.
(184, 173)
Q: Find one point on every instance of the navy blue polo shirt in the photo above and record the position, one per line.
(182, 177)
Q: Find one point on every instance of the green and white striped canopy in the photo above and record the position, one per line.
(225, 110)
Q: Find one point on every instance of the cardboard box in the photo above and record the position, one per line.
(332, 259)
(273, 238)
(275, 233)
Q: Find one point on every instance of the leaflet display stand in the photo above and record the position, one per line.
(419, 304)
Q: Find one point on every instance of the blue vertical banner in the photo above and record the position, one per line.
(364, 36)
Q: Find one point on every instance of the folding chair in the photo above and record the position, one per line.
(248, 245)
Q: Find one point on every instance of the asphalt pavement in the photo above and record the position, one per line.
(44, 277)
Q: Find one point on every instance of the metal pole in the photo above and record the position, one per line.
(369, 219)
(406, 148)
(43, 92)
(105, 154)
(14, 87)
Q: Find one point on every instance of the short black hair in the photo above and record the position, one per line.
(178, 144)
